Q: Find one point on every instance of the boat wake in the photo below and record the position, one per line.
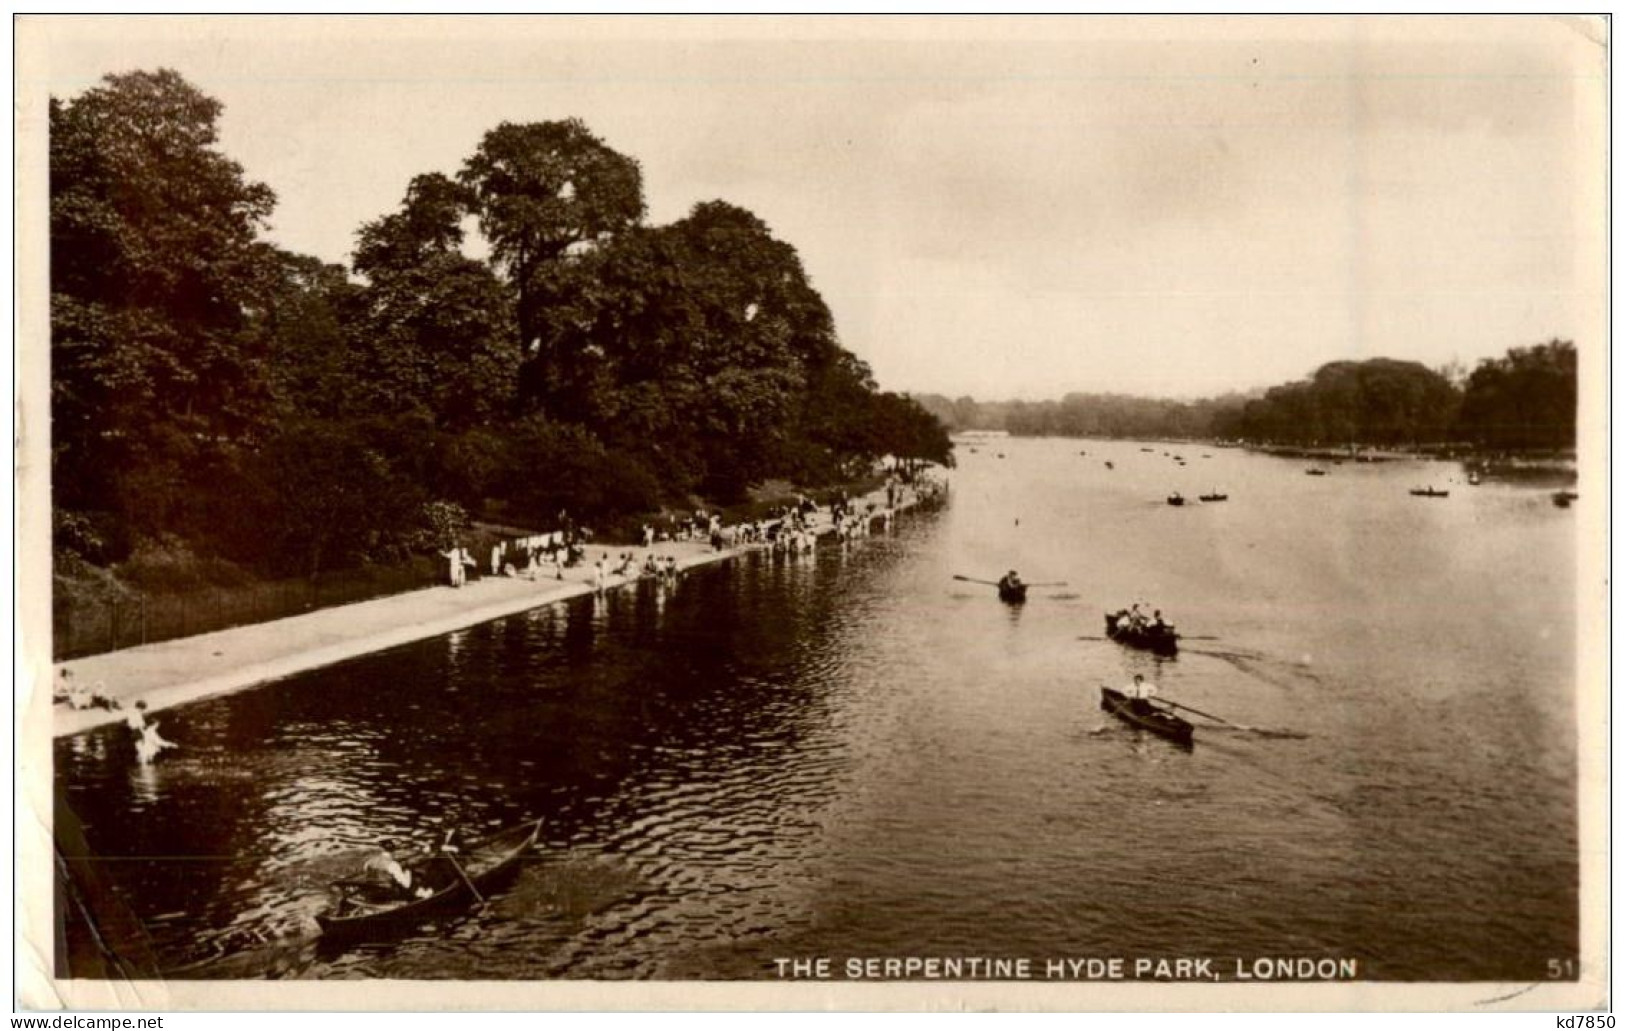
(1286, 675)
(1260, 732)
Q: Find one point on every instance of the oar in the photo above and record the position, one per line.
(455, 865)
(1049, 583)
(1199, 712)
(973, 580)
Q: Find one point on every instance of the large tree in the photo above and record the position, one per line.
(543, 191)
(156, 376)
(1529, 399)
(433, 333)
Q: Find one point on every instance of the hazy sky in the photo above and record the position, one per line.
(994, 207)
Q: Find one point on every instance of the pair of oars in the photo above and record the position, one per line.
(1199, 712)
(995, 583)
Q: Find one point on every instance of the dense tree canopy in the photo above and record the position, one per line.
(542, 190)
(294, 415)
(156, 277)
(1529, 399)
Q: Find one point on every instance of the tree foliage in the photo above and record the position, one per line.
(156, 274)
(296, 415)
(1529, 399)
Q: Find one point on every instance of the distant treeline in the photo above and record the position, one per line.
(213, 392)
(1084, 415)
(1524, 401)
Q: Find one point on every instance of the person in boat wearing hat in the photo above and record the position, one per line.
(383, 867)
(1010, 581)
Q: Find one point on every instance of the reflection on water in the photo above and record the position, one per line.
(856, 754)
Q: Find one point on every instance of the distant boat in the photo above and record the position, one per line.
(1214, 497)
(1314, 472)
(1110, 466)
(1176, 499)
(1564, 498)
(1162, 640)
(1473, 479)
(1429, 492)
(1148, 450)
(1001, 454)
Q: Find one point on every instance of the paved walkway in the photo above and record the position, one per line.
(189, 669)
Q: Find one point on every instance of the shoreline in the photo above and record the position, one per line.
(184, 670)
(1468, 456)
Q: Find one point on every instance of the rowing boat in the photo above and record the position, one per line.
(1161, 640)
(1141, 713)
(367, 910)
(1429, 492)
(1214, 497)
(1013, 594)
(1176, 499)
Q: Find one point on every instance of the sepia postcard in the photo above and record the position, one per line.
(812, 513)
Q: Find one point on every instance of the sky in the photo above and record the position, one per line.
(1005, 208)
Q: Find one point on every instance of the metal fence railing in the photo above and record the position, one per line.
(90, 626)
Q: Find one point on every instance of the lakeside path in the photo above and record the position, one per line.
(190, 669)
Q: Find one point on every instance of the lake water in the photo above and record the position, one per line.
(857, 755)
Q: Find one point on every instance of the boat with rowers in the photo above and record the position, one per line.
(1429, 492)
(1176, 499)
(1147, 715)
(1215, 496)
(1160, 639)
(373, 909)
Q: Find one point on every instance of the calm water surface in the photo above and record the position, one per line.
(857, 755)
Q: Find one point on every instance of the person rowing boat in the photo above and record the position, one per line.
(1012, 589)
(1140, 691)
(383, 868)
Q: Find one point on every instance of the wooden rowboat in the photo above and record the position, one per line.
(1429, 492)
(1013, 594)
(368, 911)
(1146, 715)
(1214, 497)
(1176, 499)
(1164, 641)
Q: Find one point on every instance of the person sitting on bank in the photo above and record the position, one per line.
(81, 696)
